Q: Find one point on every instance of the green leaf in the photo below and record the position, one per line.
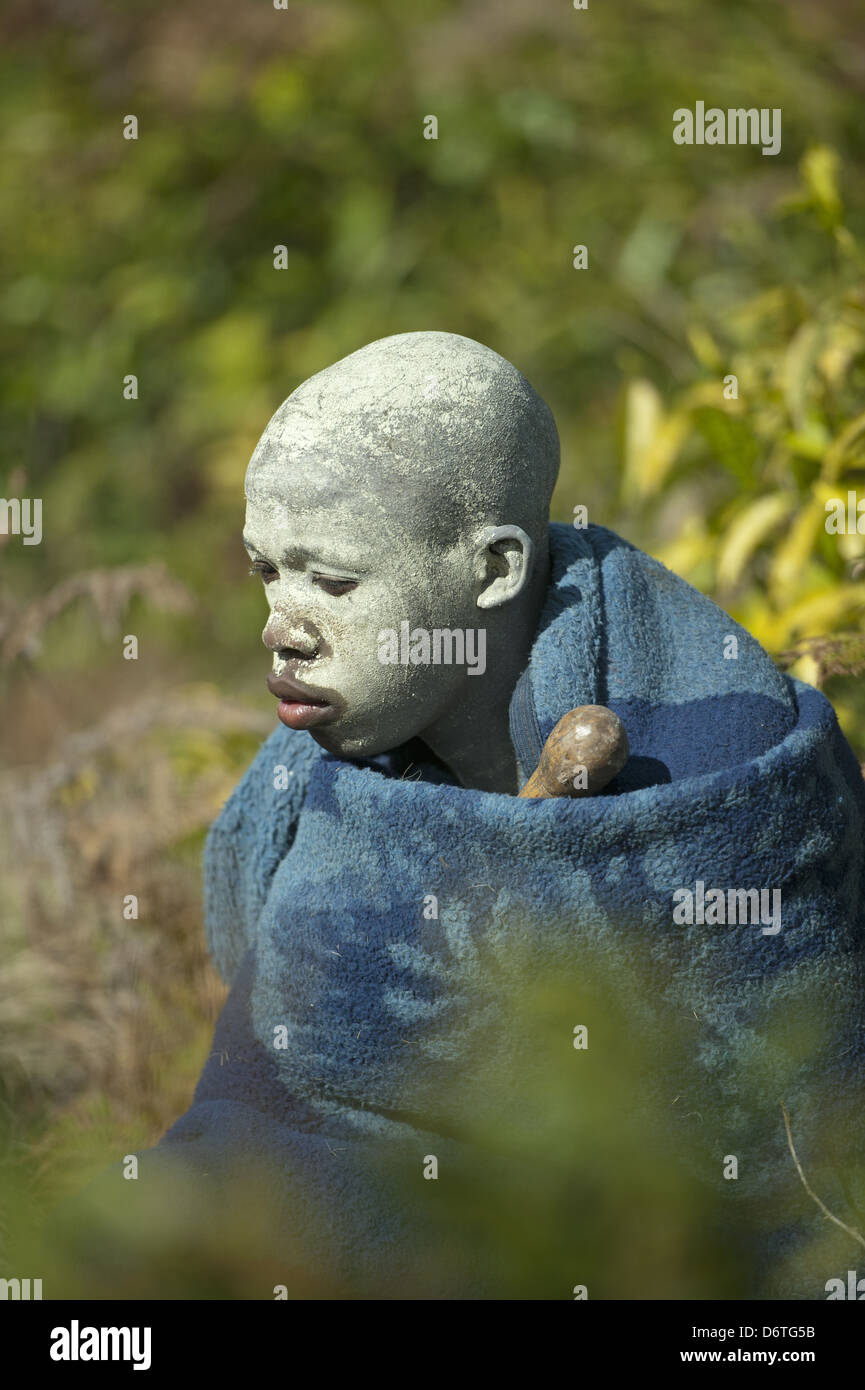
(731, 440)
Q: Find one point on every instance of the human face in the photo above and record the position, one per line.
(343, 562)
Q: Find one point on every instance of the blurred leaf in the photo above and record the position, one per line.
(642, 415)
(705, 349)
(847, 450)
(824, 611)
(731, 440)
(747, 531)
(790, 557)
(820, 167)
(800, 360)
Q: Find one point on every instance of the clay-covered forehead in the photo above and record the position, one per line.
(309, 538)
(373, 490)
(365, 510)
(429, 428)
(361, 448)
(298, 475)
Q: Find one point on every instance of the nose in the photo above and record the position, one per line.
(291, 638)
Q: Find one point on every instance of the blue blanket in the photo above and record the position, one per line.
(364, 913)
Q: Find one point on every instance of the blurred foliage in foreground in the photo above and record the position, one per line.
(589, 1166)
(303, 127)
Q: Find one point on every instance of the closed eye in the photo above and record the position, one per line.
(267, 571)
(335, 587)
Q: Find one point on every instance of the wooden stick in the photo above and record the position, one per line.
(585, 751)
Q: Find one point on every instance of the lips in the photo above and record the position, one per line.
(299, 706)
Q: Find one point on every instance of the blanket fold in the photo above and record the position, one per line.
(374, 920)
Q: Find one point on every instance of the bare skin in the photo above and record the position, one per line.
(344, 524)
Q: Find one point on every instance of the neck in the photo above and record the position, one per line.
(474, 740)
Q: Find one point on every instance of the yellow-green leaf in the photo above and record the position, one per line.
(819, 168)
(747, 531)
(845, 448)
(823, 612)
(793, 554)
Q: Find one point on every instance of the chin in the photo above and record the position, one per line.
(358, 745)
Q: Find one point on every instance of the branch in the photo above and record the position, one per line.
(825, 1210)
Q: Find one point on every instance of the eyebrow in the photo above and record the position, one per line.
(296, 554)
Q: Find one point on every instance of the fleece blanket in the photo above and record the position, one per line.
(358, 910)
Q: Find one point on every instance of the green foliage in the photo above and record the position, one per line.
(784, 439)
(154, 257)
(284, 128)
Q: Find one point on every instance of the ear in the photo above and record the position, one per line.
(506, 558)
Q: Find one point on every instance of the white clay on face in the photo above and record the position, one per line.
(371, 496)
(330, 641)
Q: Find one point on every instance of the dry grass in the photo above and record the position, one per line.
(841, 655)
(109, 592)
(105, 1022)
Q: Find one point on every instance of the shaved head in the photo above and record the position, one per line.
(431, 416)
(405, 489)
